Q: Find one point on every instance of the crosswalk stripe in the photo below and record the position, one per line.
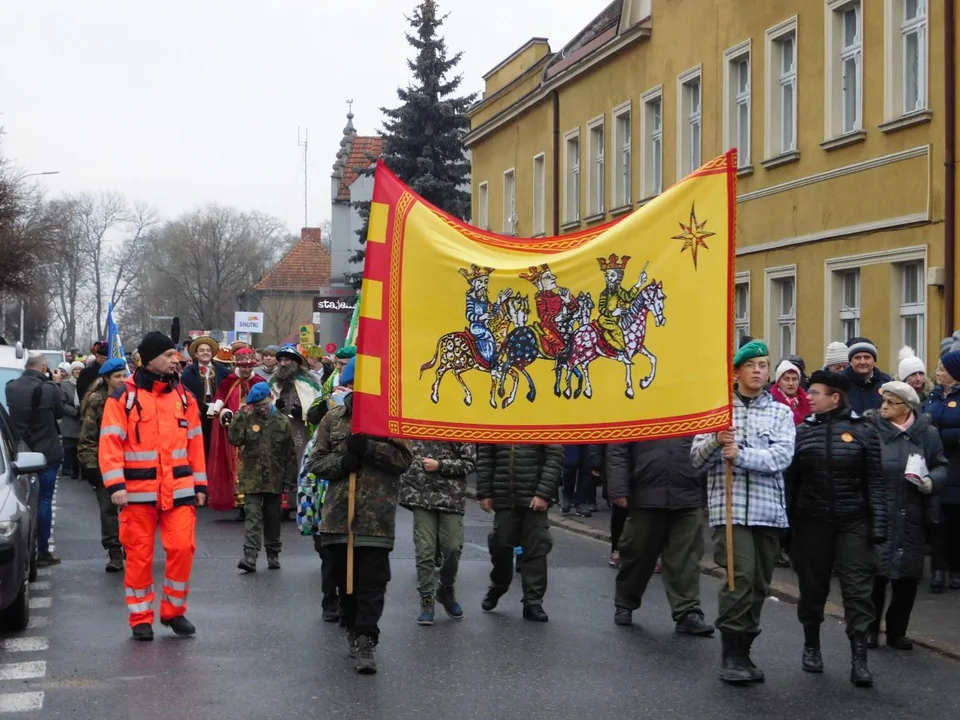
(40, 603)
(24, 644)
(43, 572)
(52, 547)
(21, 702)
(23, 670)
(41, 585)
(38, 621)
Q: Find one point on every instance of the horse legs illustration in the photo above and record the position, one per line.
(645, 382)
(453, 354)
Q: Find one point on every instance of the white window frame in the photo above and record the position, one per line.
(912, 310)
(849, 313)
(896, 30)
(775, 81)
(572, 180)
(651, 176)
(510, 203)
(741, 323)
(689, 151)
(734, 99)
(774, 321)
(623, 155)
(835, 120)
(540, 194)
(483, 205)
(597, 171)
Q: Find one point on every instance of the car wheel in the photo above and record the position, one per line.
(17, 615)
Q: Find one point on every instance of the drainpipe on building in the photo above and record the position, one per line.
(950, 165)
(556, 163)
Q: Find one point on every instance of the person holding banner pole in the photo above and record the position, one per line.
(746, 463)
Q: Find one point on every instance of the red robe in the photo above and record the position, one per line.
(549, 305)
(222, 460)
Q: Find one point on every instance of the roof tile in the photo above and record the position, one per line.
(363, 153)
(306, 268)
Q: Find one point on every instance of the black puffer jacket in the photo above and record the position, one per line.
(655, 474)
(512, 475)
(837, 476)
(35, 406)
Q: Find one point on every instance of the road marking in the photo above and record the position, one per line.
(38, 621)
(21, 702)
(43, 572)
(40, 603)
(23, 671)
(24, 644)
(42, 585)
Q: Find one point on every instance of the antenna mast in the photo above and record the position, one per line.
(303, 144)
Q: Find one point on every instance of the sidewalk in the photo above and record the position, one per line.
(934, 624)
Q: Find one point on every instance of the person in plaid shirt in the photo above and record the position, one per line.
(760, 447)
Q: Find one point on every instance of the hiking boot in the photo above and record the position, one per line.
(584, 511)
(45, 559)
(623, 616)
(756, 674)
(248, 564)
(955, 581)
(143, 632)
(366, 664)
(273, 562)
(448, 601)
(115, 564)
(592, 506)
(692, 624)
(899, 643)
(352, 640)
(938, 583)
(812, 661)
(859, 672)
(180, 626)
(535, 613)
(426, 610)
(331, 616)
(782, 561)
(614, 560)
(491, 599)
(734, 669)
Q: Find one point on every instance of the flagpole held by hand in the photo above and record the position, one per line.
(351, 509)
(731, 583)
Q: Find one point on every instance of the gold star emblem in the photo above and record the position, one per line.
(693, 235)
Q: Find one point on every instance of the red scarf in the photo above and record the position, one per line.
(800, 404)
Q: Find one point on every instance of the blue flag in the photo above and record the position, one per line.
(113, 336)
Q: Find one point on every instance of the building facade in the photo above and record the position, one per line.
(837, 109)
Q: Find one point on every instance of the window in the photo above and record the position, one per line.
(906, 58)
(539, 194)
(780, 311)
(652, 142)
(690, 101)
(509, 203)
(622, 160)
(737, 88)
(912, 306)
(781, 83)
(572, 164)
(741, 309)
(596, 175)
(483, 206)
(844, 72)
(850, 305)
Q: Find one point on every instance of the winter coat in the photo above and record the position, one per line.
(583, 457)
(836, 477)
(88, 376)
(193, 382)
(89, 443)
(444, 490)
(71, 421)
(268, 461)
(943, 408)
(908, 510)
(799, 405)
(35, 406)
(512, 475)
(655, 474)
(865, 393)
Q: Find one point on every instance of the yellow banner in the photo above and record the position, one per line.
(616, 333)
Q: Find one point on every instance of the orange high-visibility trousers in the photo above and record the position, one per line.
(138, 528)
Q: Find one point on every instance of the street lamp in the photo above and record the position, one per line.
(45, 172)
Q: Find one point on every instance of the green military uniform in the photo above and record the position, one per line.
(268, 467)
(91, 412)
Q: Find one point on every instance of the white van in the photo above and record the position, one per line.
(13, 358)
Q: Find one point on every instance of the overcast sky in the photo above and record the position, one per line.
(181, 103)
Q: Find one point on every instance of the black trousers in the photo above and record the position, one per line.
(360, 613)
(946, 541)
(328, 584)
(618, 516)
(71, 466)
(904, 593)
(530, 530)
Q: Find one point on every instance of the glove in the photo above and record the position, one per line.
(357, 445)
(226, 417)
(296, 411)
(211, 411)
(351, 463)
(925, 486)
(281, 404)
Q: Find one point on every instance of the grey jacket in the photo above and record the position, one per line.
(655, 474)
(35, 406)
(71, 422)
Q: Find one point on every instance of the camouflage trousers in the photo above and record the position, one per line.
(262, 511)
(434, 530)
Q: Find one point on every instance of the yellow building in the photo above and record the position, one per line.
(837, 108)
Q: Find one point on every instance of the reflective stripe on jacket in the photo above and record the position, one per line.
(151, 444)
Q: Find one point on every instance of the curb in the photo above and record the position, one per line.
(784, 592)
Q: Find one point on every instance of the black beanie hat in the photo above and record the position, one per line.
(153, 345)
(835, 381)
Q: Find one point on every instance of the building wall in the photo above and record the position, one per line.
(283, 315)
(340, 241)
(872, 195)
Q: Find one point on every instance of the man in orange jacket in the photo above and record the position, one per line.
(152, 462)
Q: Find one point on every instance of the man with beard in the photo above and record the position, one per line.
(202, 378)
(556, 308)
(614, 300)
(480, 310)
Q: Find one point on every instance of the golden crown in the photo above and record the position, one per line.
(613, 263)
(475, 272)
(535, 273)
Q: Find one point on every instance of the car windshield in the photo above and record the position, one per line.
(6, 375)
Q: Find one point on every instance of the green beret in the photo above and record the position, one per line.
(751, 350)
(345, 353)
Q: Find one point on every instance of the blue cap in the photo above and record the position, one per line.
(346, 377)
(258, 392)
(112, 365)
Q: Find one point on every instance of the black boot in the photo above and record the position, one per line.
(938, 583)
(180, 626)
(535, 612)
(756, 674)
(812, 659)
(859, 673)
(733, 668)
(491, 599)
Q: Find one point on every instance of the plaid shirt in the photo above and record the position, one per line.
(765, 437)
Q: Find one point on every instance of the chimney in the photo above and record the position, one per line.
(314, 235)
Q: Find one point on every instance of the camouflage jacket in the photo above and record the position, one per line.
(383, 462)
(444, 490)
(268, 459)
(88, 446)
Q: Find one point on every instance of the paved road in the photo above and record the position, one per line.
(262, 652)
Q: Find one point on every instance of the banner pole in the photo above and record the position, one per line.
(731, 582)
(351, 509)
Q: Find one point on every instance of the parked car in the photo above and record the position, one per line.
(18, 525)
(13, 358)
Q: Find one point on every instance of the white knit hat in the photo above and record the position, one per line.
(784, 367)
(909, 363)
(902, 391)
(836, 354)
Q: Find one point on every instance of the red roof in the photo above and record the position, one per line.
(304, 269)
(363, 154)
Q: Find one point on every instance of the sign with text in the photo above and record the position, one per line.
(248, 322)
(334, 304)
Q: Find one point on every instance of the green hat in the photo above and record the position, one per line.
(751, 350)
(345, 353)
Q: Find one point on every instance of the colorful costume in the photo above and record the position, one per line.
(612, 300)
